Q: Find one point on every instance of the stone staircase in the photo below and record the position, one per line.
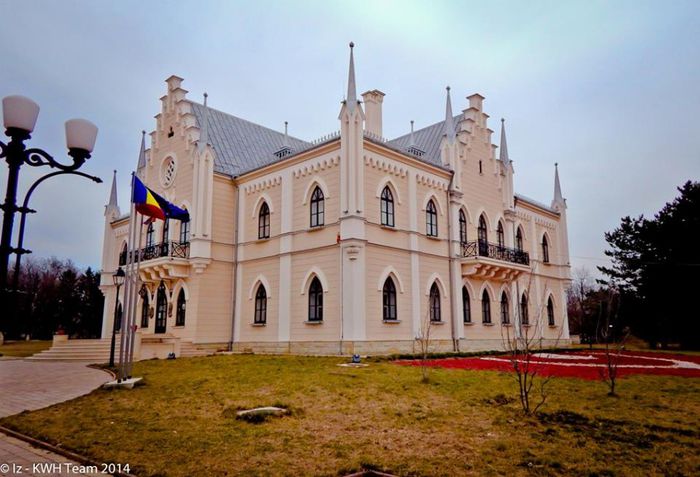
(89, 350)
(97, 350)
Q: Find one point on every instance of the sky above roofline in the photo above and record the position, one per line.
(606, 89)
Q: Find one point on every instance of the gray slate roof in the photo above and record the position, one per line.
(241, 146)
(427, 139)
(535, 203)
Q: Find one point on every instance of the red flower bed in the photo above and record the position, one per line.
(580, 364)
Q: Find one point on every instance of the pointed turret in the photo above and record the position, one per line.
(449, 130)
(503, 149)
(141, 165)
(558, 198)
(351, 98)
(204, 128)
(112, 208)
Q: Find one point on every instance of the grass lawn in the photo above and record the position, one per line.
(23, 348)
(461, 423)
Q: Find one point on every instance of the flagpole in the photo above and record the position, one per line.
(137, 279)
(127, 289)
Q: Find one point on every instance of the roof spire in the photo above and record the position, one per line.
(142, 152)
(113, 194)
(503, 150)
(351, 99)
(412, 141)
(449, 119)
(286, 136)
(557, 186)
(204, 127)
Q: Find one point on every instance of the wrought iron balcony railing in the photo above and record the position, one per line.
(481, 248)
(165, 249)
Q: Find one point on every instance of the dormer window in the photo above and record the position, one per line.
(415, 151)
(284, 152)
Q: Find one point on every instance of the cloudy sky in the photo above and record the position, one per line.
(610, 90)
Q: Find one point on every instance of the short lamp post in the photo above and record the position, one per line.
(118, 278)
(19, 118)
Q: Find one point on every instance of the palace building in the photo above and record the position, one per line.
(352, 243)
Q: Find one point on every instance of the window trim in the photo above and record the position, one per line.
(264, 221)
(435, 304)
(431, 219)
(181, 308)
(466, 306)
(505, 312)
(389, 301)
(486, 308)
(315, 301)
(386, 208)
(317, 202)
(463, 238)
(260, 306)
(550, 312)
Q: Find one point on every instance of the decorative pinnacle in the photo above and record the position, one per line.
(449, 120)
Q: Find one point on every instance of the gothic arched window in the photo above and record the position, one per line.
(483, 237)
(145, 307)
(315, 300)
(166, 230)
(485, 307)
(500, 235)
(505, 316)
(519, 239)
(317, 208)
(387, 207)
(181, 309)
(524, 314)
(150, 235)
(435, 303)
(264, 221)
(550, 311)
(545, 249)
(260, 306)
(466, 306)
(462, 227)
(185, 231)
(431, 220)
(389, 300)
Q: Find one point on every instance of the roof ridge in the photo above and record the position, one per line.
(455, 117)
(246, 121)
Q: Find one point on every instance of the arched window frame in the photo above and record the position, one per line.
(434, 303)
(505, 314)
(389, 310)
(260, 317)
(545, 249)
(166, 230)
(519, 239)
(386, 207)
(184, 232)
(524, 311)
(145, 307)
(150, 235)
(550, 312)
(431, 219)
(161, 307)
(181, 310)
(462, 227)
(466, 305)
(500, 235)
(317, 208)
(485, 307)
(264, 221)
(315, 312)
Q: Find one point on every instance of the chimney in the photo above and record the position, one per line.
(476, 101)
(373, 111)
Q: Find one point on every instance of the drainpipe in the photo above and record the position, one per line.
(235, 262)
(450, 254)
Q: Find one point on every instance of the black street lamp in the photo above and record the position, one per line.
(118, 278)
(19, 118)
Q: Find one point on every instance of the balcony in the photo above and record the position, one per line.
(491, 261)
(165, 249)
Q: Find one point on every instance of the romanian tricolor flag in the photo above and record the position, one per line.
(147, 202)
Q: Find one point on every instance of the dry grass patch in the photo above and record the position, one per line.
(21, 349)
(380, 417)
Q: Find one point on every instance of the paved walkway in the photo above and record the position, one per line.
(30, 385)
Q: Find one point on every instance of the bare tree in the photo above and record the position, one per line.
(613, 344)
(577, 295)
(424, 341)
(521, 339)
